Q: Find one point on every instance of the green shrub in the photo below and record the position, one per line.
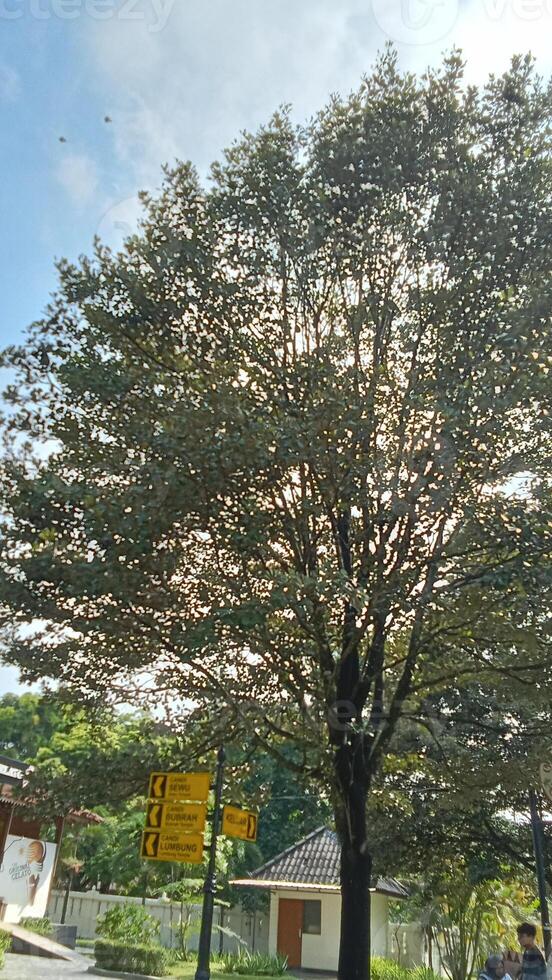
(42, 926)
(128, 924)
(248, 964)
(424, 973)
(382, 969)
(5, 945)
(132, 958)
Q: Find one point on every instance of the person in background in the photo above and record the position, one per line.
(494, 969)
(533, 964)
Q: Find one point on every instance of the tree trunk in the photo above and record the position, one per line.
(354, 945)
(68, 884)
(430, 947)
(356, 861)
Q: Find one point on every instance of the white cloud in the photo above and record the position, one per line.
(78, 175)
(10, 84)
(491, 31)
(416, 22)
(188, 89)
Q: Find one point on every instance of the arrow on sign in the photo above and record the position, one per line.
(251, 826)
(151, 843)
(158, 788)
(154, 815)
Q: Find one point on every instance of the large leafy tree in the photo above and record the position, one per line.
(281, 430)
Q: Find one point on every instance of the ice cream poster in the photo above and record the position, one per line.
(25, 874)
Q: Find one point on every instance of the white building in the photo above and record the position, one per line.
(305, 902)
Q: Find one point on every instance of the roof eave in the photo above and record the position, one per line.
(283, 885)
(305, 886)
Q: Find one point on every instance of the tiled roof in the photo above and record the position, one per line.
(315, 861)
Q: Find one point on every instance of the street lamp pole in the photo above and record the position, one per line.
(203, 971)
(536, 827)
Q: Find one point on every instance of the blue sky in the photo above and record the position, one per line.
(181, 78)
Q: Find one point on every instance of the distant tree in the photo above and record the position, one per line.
(188, 893)
(104, 759)
(110, 855)
(84, 758)
(27, 724)
(291, 806)
(262, 458)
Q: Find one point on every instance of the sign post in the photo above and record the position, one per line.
(176, 816)
(239, 823)
(203, 971)
(172, 847)
(174, 786)
(536, 827)
(173, 829)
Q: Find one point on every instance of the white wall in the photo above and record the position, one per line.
(84, 908)
(406, 943)
(321, 952)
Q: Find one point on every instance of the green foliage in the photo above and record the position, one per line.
(188, 892)
(423, 973)
(111, 851)
(128, 957)
(5, 945)
(128, 923)
(70, 767)
(384, 969)
(294, 807)
(41, 926)
(28, 723)
(465, 916)
(246, 963)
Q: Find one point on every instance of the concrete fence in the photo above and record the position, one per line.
(408, 946)
(84, 908)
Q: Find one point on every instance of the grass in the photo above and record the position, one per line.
(186, 971)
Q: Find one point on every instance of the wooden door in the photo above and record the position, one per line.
(290, 929)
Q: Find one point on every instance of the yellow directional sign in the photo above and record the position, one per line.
(179, 786)
(172, 847)
(176, 816)
(239, 823)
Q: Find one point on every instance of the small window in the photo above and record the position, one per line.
(312, 915)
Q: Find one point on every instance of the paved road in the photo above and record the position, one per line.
(40, 968)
